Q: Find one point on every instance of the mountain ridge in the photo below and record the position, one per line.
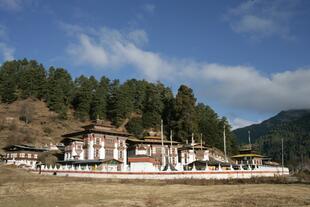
(293, 126)
(282, 117)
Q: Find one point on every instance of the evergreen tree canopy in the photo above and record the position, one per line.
(85, 89)
(185, 119)
(59, 90)
(153, 107)
(98, 109)
(32, 79)
(124, 104)
(8, 81)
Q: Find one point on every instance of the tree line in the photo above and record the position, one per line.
(295, 135)
(143, 104)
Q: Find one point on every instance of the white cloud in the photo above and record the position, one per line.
(87, 51)
(262, 18)
(150, 8)
(241, 87)
(108, 48)
(244, 87)
(11, 5)
(239, 123)
(139, 37)
(6, 52)
(254, 24)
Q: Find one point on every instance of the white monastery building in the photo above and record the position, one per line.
(103, 146)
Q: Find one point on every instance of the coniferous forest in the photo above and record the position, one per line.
(293, 126)
(138, 103)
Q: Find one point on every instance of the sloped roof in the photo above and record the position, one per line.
(155, 141)
(211, 162)
(72, 139)
(247, 155)
(99, 131)
(196, 146)
(85, 162)
(16, 147)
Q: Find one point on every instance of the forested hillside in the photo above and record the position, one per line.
(138, 104)
(293, 126)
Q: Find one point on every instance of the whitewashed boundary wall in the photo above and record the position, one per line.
(165, 175)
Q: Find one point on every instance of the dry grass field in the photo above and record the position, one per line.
(21, 188)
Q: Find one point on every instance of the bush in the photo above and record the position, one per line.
(47, 130)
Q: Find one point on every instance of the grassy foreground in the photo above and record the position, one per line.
(21, 188)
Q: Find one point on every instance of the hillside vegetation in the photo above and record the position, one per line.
(43, 126)
(293, 126)
(138, 105)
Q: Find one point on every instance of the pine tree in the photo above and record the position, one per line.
(100, 99)
(138, 93)
(8, 79)
(59, 91)
(114, 88)
(184, 113)
(84, 92)
(32, 79)
(168, 106)
(208, 124)
(124, 105)
(153, 108)
(211, 127)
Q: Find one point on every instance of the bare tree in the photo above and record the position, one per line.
(26, 113)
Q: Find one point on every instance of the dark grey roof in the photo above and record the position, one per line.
(99, 131)
(85, 162)
(16, 147)
(135, 140)
(211, 163)
(71, 139)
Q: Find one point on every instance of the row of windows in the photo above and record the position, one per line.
(21, 155)
(108, 141)
(157, 150)
(109, 153)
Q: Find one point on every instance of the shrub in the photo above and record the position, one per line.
(47, 130)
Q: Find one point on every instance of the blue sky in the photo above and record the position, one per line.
(247, 59)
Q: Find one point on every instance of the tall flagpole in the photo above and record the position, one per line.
(162, 142)
(193, 146)
(282, 155)
(224, 137)
(201, 141)
(249, 133)
(171, 147)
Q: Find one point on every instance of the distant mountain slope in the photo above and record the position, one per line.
(281, 120)
(293, 126)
